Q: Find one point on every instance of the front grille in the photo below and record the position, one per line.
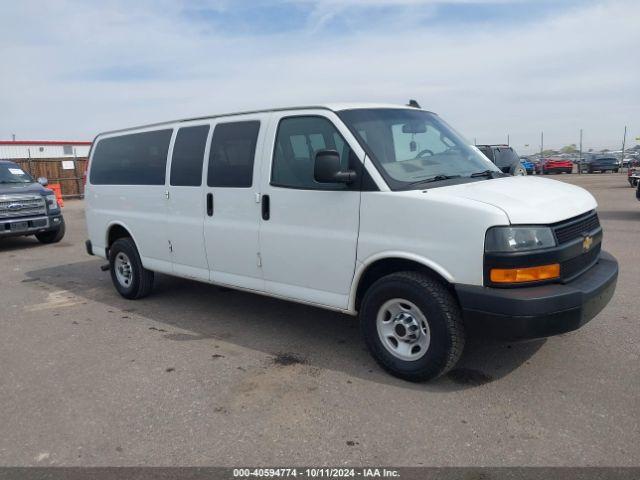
(576, 227)
(573, 267)
(22, 206)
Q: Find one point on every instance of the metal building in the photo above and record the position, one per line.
(34, 149)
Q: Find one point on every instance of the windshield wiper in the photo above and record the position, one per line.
(436, 178)
(487, 174)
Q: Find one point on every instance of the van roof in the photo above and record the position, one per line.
(334, 107)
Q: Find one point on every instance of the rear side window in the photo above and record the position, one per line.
(233, 150)
(505, 157)
(188, 156)
(134, 159)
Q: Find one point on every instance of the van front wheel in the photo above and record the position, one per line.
(412, 326)
(129, 277)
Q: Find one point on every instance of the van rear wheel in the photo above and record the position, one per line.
(129, 277)
(412, 326)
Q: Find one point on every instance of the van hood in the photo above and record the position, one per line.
(526, 200)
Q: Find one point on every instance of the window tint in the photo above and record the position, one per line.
(297, 141)
(505, 156)
(188, 156)
(233, 149)
(134, 159)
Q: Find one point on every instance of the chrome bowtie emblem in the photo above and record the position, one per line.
(587, 242)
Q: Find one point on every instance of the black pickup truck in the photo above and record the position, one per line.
(27, 207)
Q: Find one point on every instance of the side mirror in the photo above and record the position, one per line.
(43, 181)
(327, 168)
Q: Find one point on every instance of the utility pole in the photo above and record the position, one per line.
(624, 140)
(508, 140)
(541, 144)
(580, 155)
(13, 137)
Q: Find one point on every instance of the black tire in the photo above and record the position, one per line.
(517, 170)
(140, 281)
(443, 316)
(52, 236)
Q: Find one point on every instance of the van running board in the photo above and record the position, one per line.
(104, 267)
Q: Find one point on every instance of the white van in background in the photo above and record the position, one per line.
(377, 210)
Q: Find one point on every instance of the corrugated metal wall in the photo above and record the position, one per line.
(13, 152)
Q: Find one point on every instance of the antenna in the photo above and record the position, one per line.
(413, 103)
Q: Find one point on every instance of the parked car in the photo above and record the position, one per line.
(600, 164)
(504, 157)
(626, 162)
(553, 165)
(633, 174)
(528, 165)
(425, 241)
(27, 207)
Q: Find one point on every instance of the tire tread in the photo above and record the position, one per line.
(447, 304)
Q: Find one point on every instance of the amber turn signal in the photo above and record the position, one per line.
(529, 274)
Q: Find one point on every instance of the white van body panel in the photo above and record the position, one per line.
(185, 220)
(141, 209)
(232, 232)
(430, 227)
(308, 246)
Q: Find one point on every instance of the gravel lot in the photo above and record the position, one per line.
(198, 375)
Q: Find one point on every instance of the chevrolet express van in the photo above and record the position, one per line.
(373, 210)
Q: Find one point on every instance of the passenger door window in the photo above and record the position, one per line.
(297, 141)
(188, 156)
(233, 150)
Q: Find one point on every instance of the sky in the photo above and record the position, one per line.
(491, 68)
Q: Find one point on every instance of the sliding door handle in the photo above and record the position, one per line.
(266, 207)
(210, 204)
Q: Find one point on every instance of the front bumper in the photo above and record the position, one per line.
(17, 227)
(541, 311)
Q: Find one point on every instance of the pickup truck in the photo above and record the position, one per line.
(27, 207)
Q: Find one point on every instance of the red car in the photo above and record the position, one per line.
(553, 165)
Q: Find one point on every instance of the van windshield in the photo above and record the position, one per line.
(411, 147)
(12, 173)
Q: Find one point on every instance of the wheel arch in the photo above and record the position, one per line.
(114, 231)
(387, 263)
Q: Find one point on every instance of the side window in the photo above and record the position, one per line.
(297, 141)
(233, 150)
(134, 159)
(188, 156)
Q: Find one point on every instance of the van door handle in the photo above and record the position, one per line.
(210, 204)
(266, 211)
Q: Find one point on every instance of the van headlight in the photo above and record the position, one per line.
(52, 202)
(518, 239)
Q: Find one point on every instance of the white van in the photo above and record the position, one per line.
(377, 210)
